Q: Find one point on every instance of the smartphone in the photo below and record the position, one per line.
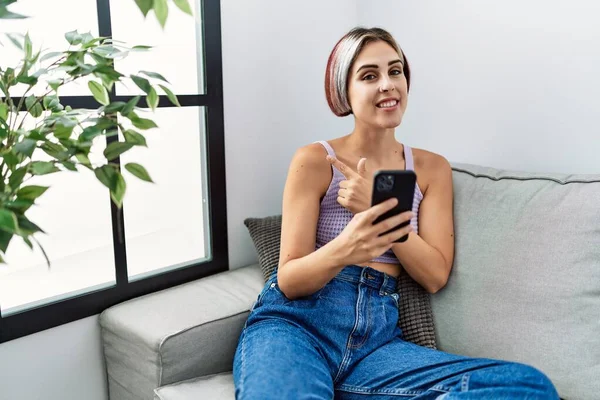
(394, 183)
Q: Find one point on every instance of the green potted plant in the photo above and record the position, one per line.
(38, 124)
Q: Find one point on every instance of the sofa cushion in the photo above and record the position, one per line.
(176, 334)
(414, 309)
(525, 285)
(214, 387)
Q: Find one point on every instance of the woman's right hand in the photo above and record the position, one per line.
(360, 242)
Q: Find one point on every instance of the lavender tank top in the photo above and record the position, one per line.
(333, 218)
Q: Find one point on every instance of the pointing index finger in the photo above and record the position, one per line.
(343, 168)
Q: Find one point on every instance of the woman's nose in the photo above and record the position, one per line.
(386, 85)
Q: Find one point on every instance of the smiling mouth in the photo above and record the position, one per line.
(388, 104)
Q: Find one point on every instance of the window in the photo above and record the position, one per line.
(166, 233)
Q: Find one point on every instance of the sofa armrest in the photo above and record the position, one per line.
(179, 333)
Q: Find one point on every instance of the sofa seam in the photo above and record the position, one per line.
(519, 178)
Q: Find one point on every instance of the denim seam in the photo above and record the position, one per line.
(464, 383)
(243, 369)
(343, 278)
(392, 392)
(441, 388)
(368, 322)
(357, 281)
(346, 357)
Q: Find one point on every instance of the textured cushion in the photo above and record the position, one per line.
(179, 333)
(525, 285)
(212, 387)
(266, 235)
(415, 317)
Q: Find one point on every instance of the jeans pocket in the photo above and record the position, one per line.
(396, 298)
(304, 300)
(268, 286)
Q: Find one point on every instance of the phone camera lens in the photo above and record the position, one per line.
(385, 183)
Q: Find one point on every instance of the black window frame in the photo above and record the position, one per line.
(61, 312)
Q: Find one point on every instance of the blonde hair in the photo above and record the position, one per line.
(343, 56)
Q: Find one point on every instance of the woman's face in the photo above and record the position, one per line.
(377, 89)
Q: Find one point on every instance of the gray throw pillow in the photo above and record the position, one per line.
(414, 311)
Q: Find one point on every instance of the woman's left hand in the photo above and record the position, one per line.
(355, 192)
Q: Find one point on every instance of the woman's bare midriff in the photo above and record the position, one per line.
(394, 270)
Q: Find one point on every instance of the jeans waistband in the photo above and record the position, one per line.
(369, 276)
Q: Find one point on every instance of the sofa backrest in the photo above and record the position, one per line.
(525, 284)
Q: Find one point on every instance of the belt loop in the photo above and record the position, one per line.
(383, 285)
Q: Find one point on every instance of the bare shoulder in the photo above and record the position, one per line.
(310, 166)
(431, 167)
(312, 155)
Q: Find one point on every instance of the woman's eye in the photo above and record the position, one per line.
(368, 77)
(396, 72)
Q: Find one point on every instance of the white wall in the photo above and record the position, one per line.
(274, 58)
(64, 363)
(510, 84)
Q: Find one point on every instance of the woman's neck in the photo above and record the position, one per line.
(371, 143)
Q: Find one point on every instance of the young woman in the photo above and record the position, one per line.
(326, 323)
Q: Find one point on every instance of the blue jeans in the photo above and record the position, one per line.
(344, 342)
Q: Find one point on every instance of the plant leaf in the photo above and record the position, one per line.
(135, 138)
(114, 107)
(31, 192)
(26, 79)
(69, 165)
(63, 128)
(50, 55)
(138, 171)
(106, 174)
(142, 83)
(16, 178)
(55, 150)
(142, 123)
(19, 205)
(33, 106)
(3, 111)
(6, 14)
(15, 38)
(43, 168)
(5, 238)
(28, 47)
(83, 159)
(128, 108)
(119, 193)
(26, 146)
(161, 9)
(89, 133)
(154, 75)
(115, 149)
(114, 181)
(8, 221)
(73, 37)
(183, 6)
(10, 159)
(144, 6)
(54, 83)
(141, 48)
(172, 98)
(152, 99)
(99, 92)
(27, 227)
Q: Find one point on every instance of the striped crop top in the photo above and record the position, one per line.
(333, 218)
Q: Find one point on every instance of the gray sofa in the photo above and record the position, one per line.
(525, 286)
